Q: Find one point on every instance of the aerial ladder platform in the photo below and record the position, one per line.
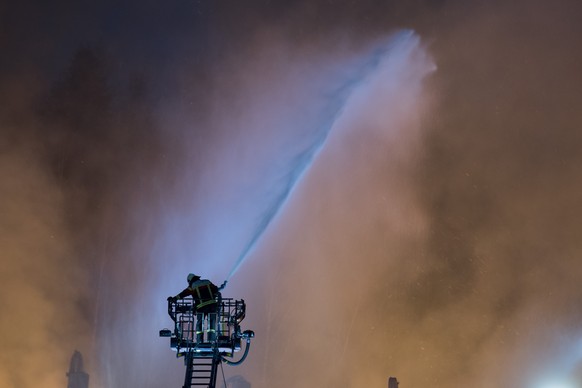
(205, 340)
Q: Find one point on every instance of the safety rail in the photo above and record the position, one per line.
(200, 332)
(207, 337)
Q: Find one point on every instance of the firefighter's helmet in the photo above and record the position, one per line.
(191, 278)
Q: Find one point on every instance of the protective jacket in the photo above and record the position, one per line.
(203, 291)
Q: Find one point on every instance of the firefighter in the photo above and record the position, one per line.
(206, 297)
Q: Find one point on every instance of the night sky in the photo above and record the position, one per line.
(436, 236)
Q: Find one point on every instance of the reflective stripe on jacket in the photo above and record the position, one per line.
(203, 291)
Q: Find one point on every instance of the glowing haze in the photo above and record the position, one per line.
(279, 142)
(435, 236)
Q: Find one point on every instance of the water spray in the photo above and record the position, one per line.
(207, 331)
(305, 159)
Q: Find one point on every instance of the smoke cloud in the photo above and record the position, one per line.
(39, 319)
(434, 238)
